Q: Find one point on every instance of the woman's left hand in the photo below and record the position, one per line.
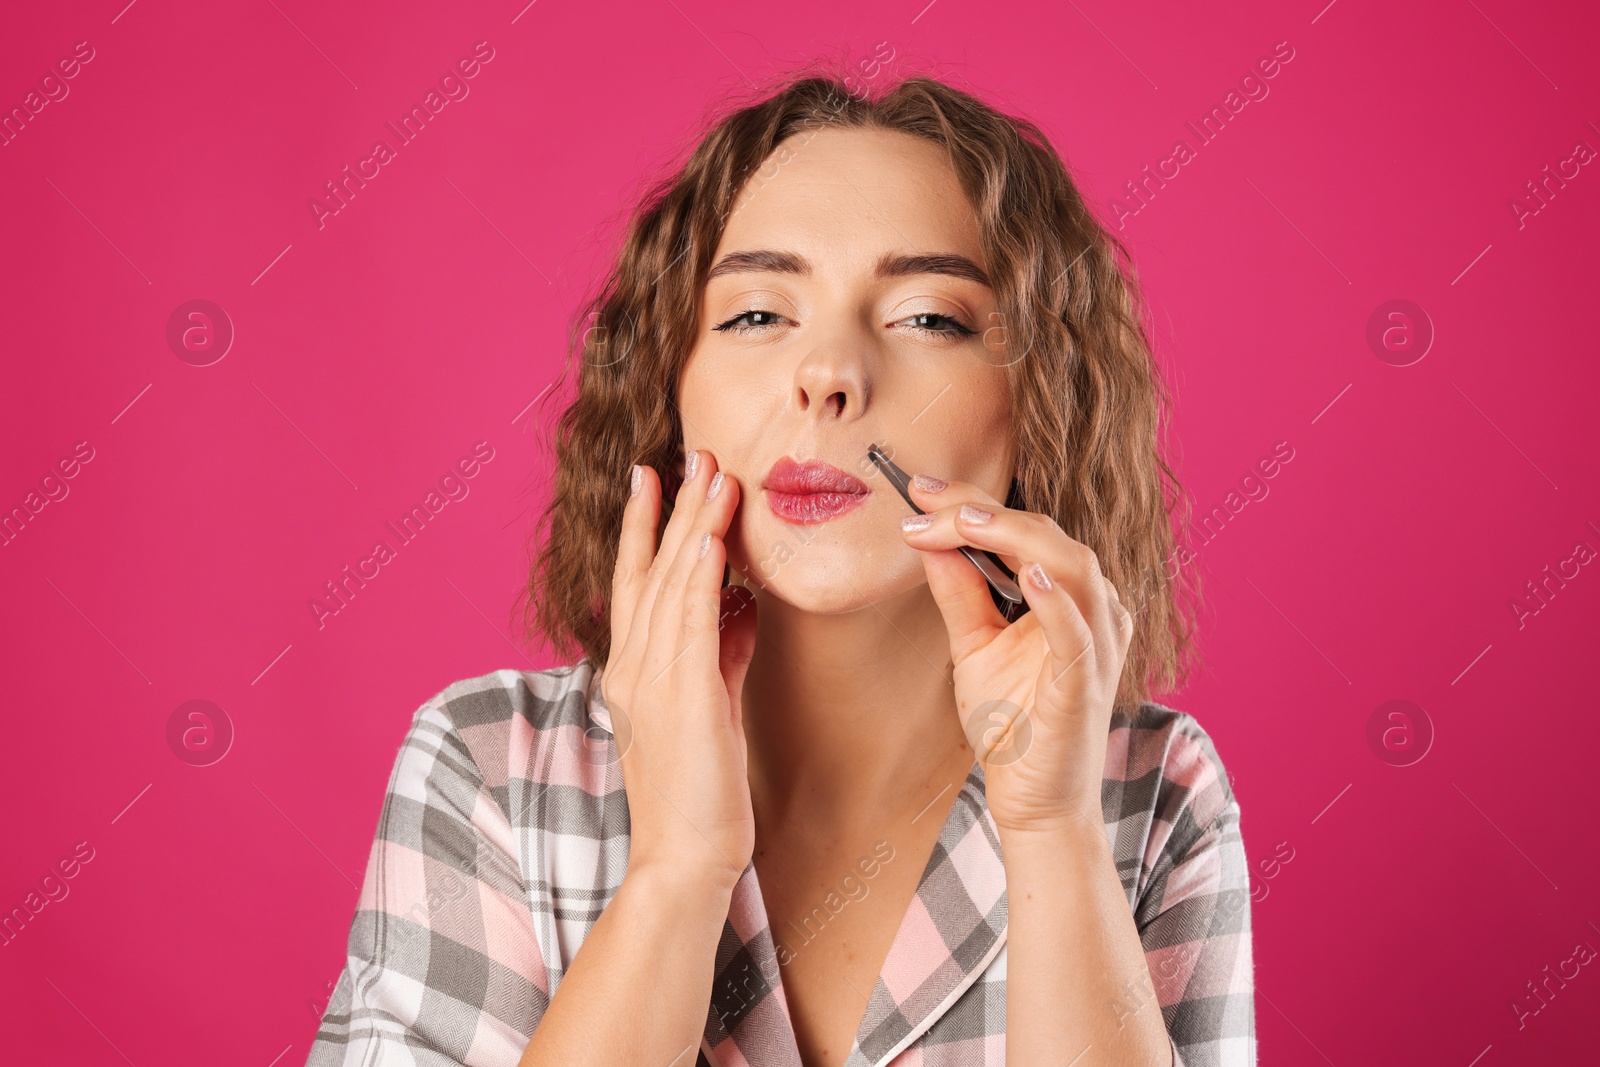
(1035, 696)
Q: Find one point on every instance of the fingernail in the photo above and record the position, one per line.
(913, 523)
(929, 484)
(635, 480)
(716, 483)
(705, 544)
(1039, 578)
(974, 515)
(691, 463)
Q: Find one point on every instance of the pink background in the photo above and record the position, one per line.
(374, 352)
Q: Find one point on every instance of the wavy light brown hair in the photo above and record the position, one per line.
(1090, 403)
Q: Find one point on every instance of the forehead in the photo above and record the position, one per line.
(836, 190)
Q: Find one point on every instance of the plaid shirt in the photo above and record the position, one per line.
(504, 834)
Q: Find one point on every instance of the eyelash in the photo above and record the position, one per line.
(960, 330)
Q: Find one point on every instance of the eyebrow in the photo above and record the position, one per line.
(888, 265)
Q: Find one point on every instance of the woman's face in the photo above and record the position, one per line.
(846, 306)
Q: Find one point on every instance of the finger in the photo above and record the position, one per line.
(1122, 618)
(962, 593)
(1105, 614)
(1075, 648)
(687, 604)
(691, 497)
(1101, 631)
(1023, 535)
(684, 616)
(938, 497)
(708, 511)
(635, 549)
(736, 624)
(688, 500)
(930, 493)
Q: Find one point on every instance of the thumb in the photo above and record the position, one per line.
(963, 598)
(737, 644)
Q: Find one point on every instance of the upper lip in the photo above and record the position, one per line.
(811, 476)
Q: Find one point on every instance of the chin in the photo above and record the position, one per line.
(819, 598)
(809, 570)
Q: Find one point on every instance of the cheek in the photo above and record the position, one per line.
(977, 406)
(714, 395)
(731, 415)
(694, 393)
(731, 405)
(974, 428)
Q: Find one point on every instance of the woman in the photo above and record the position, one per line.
(824, 804)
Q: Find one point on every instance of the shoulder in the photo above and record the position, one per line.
(1159, 752)
(1166, 789)
(491, 722)
(542, 698)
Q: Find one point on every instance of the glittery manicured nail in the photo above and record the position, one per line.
(913, 523)
(716, 483)
(1038, 576)
(691, 463)
(636, 479)
(929, 484)
(975, 515)
(705, 543)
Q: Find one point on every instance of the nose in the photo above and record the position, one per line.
(831, 381)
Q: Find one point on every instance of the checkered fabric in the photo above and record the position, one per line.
(504, 834)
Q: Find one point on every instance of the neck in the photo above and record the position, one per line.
(850, 718)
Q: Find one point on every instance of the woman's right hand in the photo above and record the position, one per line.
(680, 648)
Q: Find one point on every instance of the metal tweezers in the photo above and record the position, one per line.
(988, 563)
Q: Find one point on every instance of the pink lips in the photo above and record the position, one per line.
(811, 492)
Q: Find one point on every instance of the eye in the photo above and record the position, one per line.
(738, 325)
(928, 323)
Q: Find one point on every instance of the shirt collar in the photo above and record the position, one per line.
(951, 931)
